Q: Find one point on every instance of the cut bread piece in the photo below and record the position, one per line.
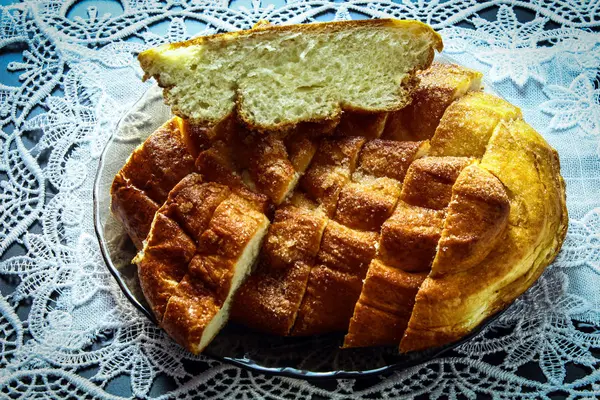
(477, 219)
(468, 123)
(367, 204)
(278, 76)
(410, 236)
(429, 181)
(384, 307)
(438, 87)
(334, 284)
(266, 164)
(150, 172)
(271, 169)
(331, 169)
(171, 242)
(132, 208)
(388, 158)
(226, 252)
(201, 245)
(269, 300)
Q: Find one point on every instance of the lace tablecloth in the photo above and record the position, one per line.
(68, 72)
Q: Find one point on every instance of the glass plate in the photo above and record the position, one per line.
(310, 357)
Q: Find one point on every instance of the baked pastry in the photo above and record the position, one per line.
(202, 243)
(406, 228)
(221, 155)
(274, 77)
(355, 183)
(501, 238)
(149, 174)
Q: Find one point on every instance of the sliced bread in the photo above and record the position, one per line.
(278, 76)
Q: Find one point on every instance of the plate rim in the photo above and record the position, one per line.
(246, 363)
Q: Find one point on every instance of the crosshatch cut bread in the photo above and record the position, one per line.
(202, 243)
(404, 228)
(274, 77)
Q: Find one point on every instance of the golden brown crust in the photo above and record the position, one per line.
(164, 262)
(328, 302)
(142, 185)
(196, 137)
(450, 305)
(408, 245)
(468, 123)
(271, 169)
(132, 208)
(347, 249)
(294, 235)
(391, 289)
(219, 164)
(232, 225)
(301, 149)
(384, 307)
(438, 87)
(371, 326)
(366, 205)
(335, 284)
(172, 241)
(429, 181)
(187, 278)
(189, 311)
(476, 218)
(331, 169)
(160, 162)
(304, 28)
(410, 237)
(269, 300)
(216, 164)
(192, 203)
(389, 158)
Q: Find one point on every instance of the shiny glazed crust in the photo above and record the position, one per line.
(394, 240)
(202, 243)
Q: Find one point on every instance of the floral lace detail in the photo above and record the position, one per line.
(542, 331)
(582, 245)
(579, 104)
(516, 50)
(65, 327)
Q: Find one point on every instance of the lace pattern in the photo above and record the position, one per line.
(65, 327)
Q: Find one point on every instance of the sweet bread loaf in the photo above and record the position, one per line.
(406, 228)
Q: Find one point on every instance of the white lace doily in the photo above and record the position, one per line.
(69, 72)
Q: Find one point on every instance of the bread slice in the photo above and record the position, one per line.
(150, 172)
(477, 219)
(528, 169)
(278, 76)
(226, 252)
(269, 300)
(438, 87)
